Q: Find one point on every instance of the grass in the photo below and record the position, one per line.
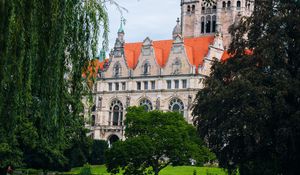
(181, 170)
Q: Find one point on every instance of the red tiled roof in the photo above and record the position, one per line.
(132, 53)
(162, 51)
(227, 55)
(196, 49)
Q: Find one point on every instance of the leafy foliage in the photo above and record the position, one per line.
(44, 45)
(249, 109)
(97, 155)
(155, 139)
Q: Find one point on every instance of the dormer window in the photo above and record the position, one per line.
(117, 70)
(146, 68)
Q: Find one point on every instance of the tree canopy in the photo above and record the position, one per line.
(44, 47)
(155, 140)
(248, 111)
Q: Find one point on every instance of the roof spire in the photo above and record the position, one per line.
(121, 30)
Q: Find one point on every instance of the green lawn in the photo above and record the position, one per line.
(181, 170)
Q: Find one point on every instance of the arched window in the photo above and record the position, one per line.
(203, 10)
(146, 68)
(193, 8)
(176, 67)
(229, 4)
(248, 6)
(116, 113)
(214, 9)
(202, 24)
(117, 70)
(238, 5)
(224, 4)
(188, 9)
(176, 105)
(214, 19)
(146, 104)
(208, 24)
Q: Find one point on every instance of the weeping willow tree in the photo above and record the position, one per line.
(44, 47)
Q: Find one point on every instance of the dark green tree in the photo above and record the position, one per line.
(45, 45)
(248, 111)
(155, 140)
(97, 154)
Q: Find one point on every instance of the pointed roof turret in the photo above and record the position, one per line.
(121, 29)
(177, 29)
(102, 55)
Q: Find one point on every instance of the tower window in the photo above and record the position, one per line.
(224, 5)
(214, 18)
(193, 8)
(202, 24)
(214, 9)
(238, 5)
(228, 4)
(208, 24)
(188, 9)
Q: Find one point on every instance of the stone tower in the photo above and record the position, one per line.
(201, 18)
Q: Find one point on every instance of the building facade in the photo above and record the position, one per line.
(162, 75)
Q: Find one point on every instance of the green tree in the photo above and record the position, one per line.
(97, 154)
(44, 47)
(155, 140)
(248, 111)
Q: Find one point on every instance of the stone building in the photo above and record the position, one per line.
(162, 75)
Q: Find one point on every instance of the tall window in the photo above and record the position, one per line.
(184, 84)
(117, 70)
(169, 84)
(176, 105)
(145, 85)
(110, 86)
(193, 8)
(146, 104)
(123, 86)
(203, 10)
(176, 84)
(116, 113)
(152, 84)
(214, 9)
(202, 24)
(224, 5)
(208, 24)
(214, 19)
(228, 4)
(117, 86)
(188, 9)
(238, 5)
(138, 85)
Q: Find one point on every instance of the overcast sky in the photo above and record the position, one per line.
(153, 18)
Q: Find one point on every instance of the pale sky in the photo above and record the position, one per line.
(145, 18)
